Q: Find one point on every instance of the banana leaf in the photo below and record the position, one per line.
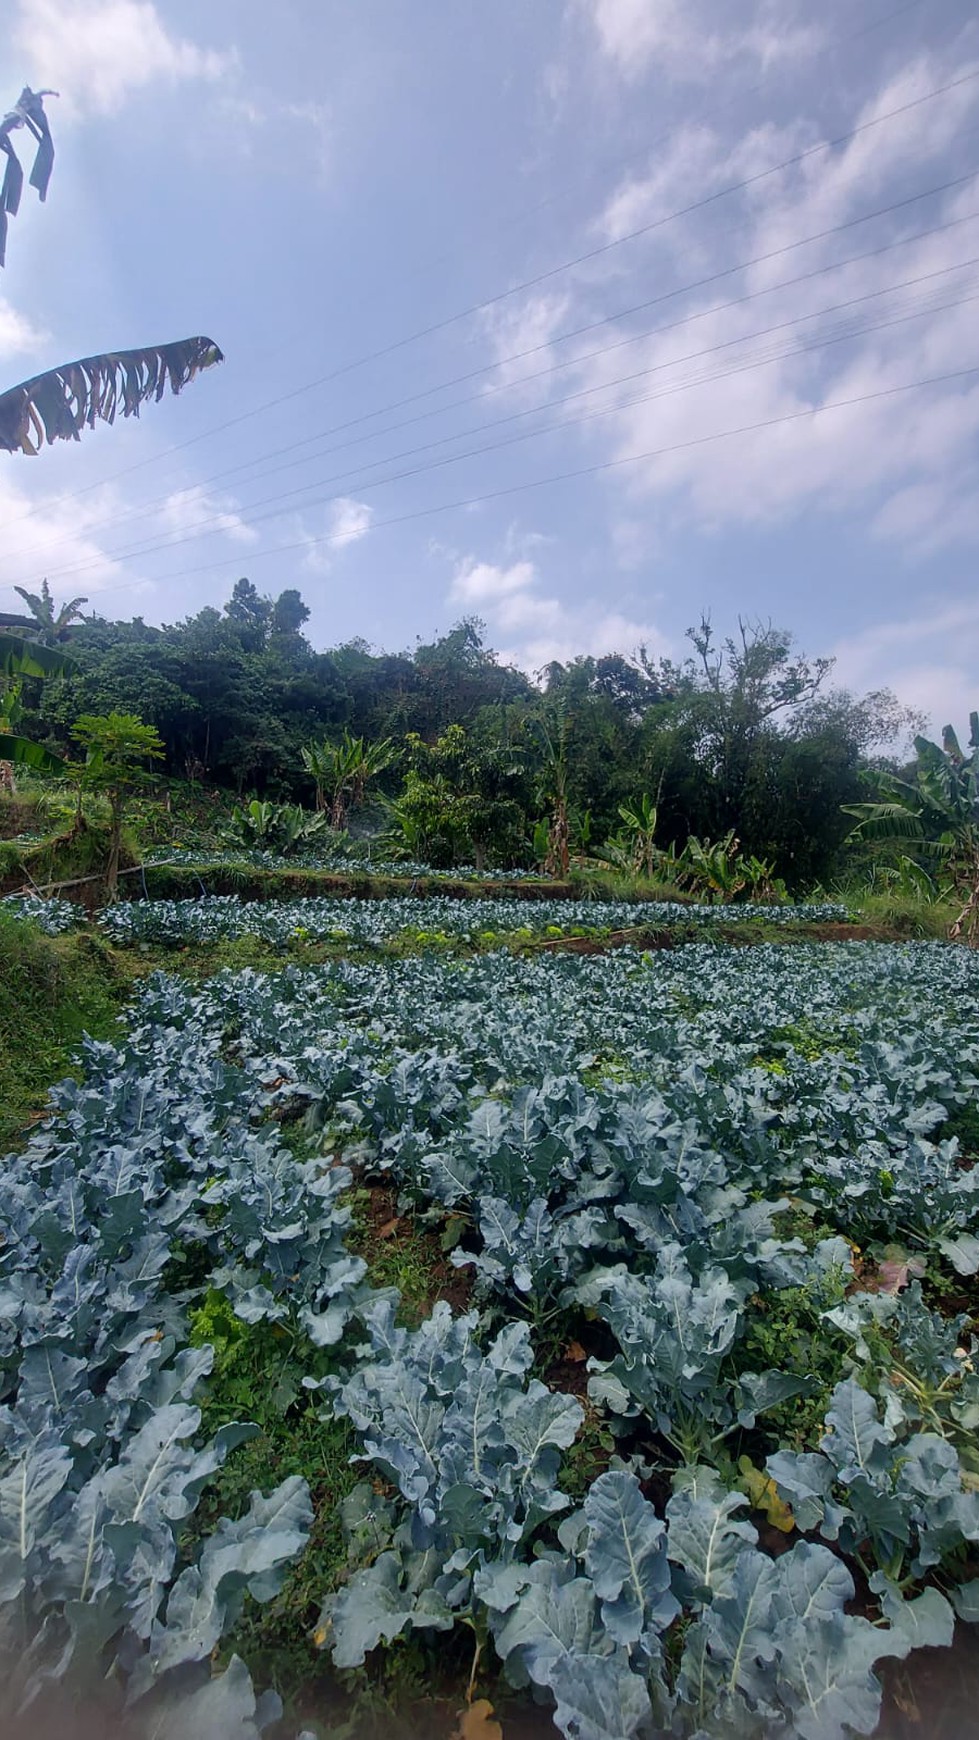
(59, 404)
(23, 753)
(27, 658)
(28, 111)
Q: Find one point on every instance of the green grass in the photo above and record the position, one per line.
(904, 917)
(52, 991)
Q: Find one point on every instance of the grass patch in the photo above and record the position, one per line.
(909, 918)
(52, 991)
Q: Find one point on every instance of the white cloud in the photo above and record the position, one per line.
(347, 522)
(316, 121)
(98, 53)
(30, 522)
(484, 584)
(525, 329)
(195, 508)
(541, 628)
(929, 658)
(17, 333)
(688, 39)
(705, 363)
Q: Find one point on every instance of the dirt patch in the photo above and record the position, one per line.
(676, 936)
(401, 1254)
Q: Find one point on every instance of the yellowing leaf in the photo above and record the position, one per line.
(763, 1493)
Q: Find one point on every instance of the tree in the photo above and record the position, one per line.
(116, 746)
(51, 627)
(937, 811)
(59, 404)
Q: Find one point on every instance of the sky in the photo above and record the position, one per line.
(585, 317)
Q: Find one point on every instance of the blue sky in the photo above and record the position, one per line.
(312, 184)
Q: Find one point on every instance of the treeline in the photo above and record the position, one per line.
(744, 734)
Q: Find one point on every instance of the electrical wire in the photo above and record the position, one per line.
(364, 485)
(589, 255)
(605, 465)
(147, 510)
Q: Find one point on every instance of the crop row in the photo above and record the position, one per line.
(369, 923)
(654, 1150)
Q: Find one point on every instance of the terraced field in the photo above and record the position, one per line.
(598, 1333)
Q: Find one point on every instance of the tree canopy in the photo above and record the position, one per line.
(744, 734)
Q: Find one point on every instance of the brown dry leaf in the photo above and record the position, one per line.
(478, 1723)
(575, 1352)
(388, 1230)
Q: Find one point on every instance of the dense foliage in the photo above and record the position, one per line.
(670, 1158)
(472, 754)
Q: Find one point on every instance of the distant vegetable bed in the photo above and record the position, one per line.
(367, 923)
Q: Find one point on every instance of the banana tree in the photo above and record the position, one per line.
(640, 821)
(553, 735)
(342, 772)
(52, 626)
(21, 658)
(937, 810)
(715, 868)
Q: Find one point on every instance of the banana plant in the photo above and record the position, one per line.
(342, 772)
(640, 821)
(715, 867)
(937, 810)
(275, 827)
(20, 658)
(51, 626)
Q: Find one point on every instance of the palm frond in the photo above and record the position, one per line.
(23, 753)
(27, 658)
(59, 404)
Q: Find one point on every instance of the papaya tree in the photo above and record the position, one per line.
(116, 747)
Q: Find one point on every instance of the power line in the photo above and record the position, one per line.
(552, 272)
(364, 485)
(587, 470)
(620, 314)
(147, 510)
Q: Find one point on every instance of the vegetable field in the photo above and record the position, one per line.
(677, 1433)
(370, 923)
